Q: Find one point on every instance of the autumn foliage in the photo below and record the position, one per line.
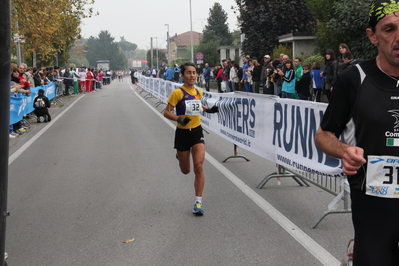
(49, 27)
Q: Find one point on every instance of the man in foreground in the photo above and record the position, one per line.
(368, 95)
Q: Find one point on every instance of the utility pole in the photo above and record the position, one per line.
(168, 42)
(5, 58)
(191, 34)
(156, 44)
(152, 56)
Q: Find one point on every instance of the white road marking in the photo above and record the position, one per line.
(301, 237)
(16, 154)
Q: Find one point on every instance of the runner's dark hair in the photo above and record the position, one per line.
(185, 65)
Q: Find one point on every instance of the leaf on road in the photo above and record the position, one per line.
(128, 240)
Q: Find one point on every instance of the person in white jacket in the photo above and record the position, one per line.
(234, 75)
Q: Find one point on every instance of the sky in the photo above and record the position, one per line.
(138, 21)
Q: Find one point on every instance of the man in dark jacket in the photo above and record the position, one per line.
(267, 71)
(349, 60)
(68, 81)
(207, 76)
(41, 105)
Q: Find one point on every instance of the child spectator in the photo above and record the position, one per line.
(303, 83)
(317, 80)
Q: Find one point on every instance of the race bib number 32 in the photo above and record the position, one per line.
(382, 178)
(193, 107)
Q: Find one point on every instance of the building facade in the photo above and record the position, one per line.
(180, 44)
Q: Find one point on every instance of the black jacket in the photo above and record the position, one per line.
(303, 84)
(256, 72)
(37, 80)
(42, 110)
(69, 79)
(330, 71)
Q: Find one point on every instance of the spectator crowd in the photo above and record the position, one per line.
(281, 76)
(68, 81)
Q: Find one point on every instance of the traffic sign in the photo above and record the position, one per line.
(199, 56)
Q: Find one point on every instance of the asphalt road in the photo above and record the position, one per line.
(104, 171)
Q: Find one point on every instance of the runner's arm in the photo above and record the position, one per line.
(168, 113)
(352, 156)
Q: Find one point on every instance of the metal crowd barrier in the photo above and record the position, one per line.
(59, 92)
(338, 187)
(236, 155)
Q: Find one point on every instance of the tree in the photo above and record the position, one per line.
(342, 22)
(139, 54)
(325, 37)
(216, 34)
(262, 21)
(236, 34)
(77, 54)
(74, 61)
(126, 46)
(104, 48)
(161, 57)
(49, 30)
(350, 22)
(217, 23)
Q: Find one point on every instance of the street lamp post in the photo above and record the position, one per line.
(18, 39)
(152, 64)
(191, 34)
(168, 42)
(156, 45)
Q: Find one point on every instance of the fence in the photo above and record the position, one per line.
(336, 186)
(21, 105)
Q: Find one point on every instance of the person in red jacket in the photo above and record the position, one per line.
(219, 77)
(89, 80)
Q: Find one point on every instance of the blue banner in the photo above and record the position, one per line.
(21, 105)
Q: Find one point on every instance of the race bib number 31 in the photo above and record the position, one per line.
(382, 178)
(193, 107)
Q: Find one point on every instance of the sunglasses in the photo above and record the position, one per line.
(305, 69)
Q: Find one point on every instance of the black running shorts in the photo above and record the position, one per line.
(186, 138)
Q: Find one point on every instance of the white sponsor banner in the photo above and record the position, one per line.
(279, 130)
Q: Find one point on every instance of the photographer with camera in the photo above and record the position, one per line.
(278, 80)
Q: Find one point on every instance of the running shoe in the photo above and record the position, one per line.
(21, 130)
(198, 209)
